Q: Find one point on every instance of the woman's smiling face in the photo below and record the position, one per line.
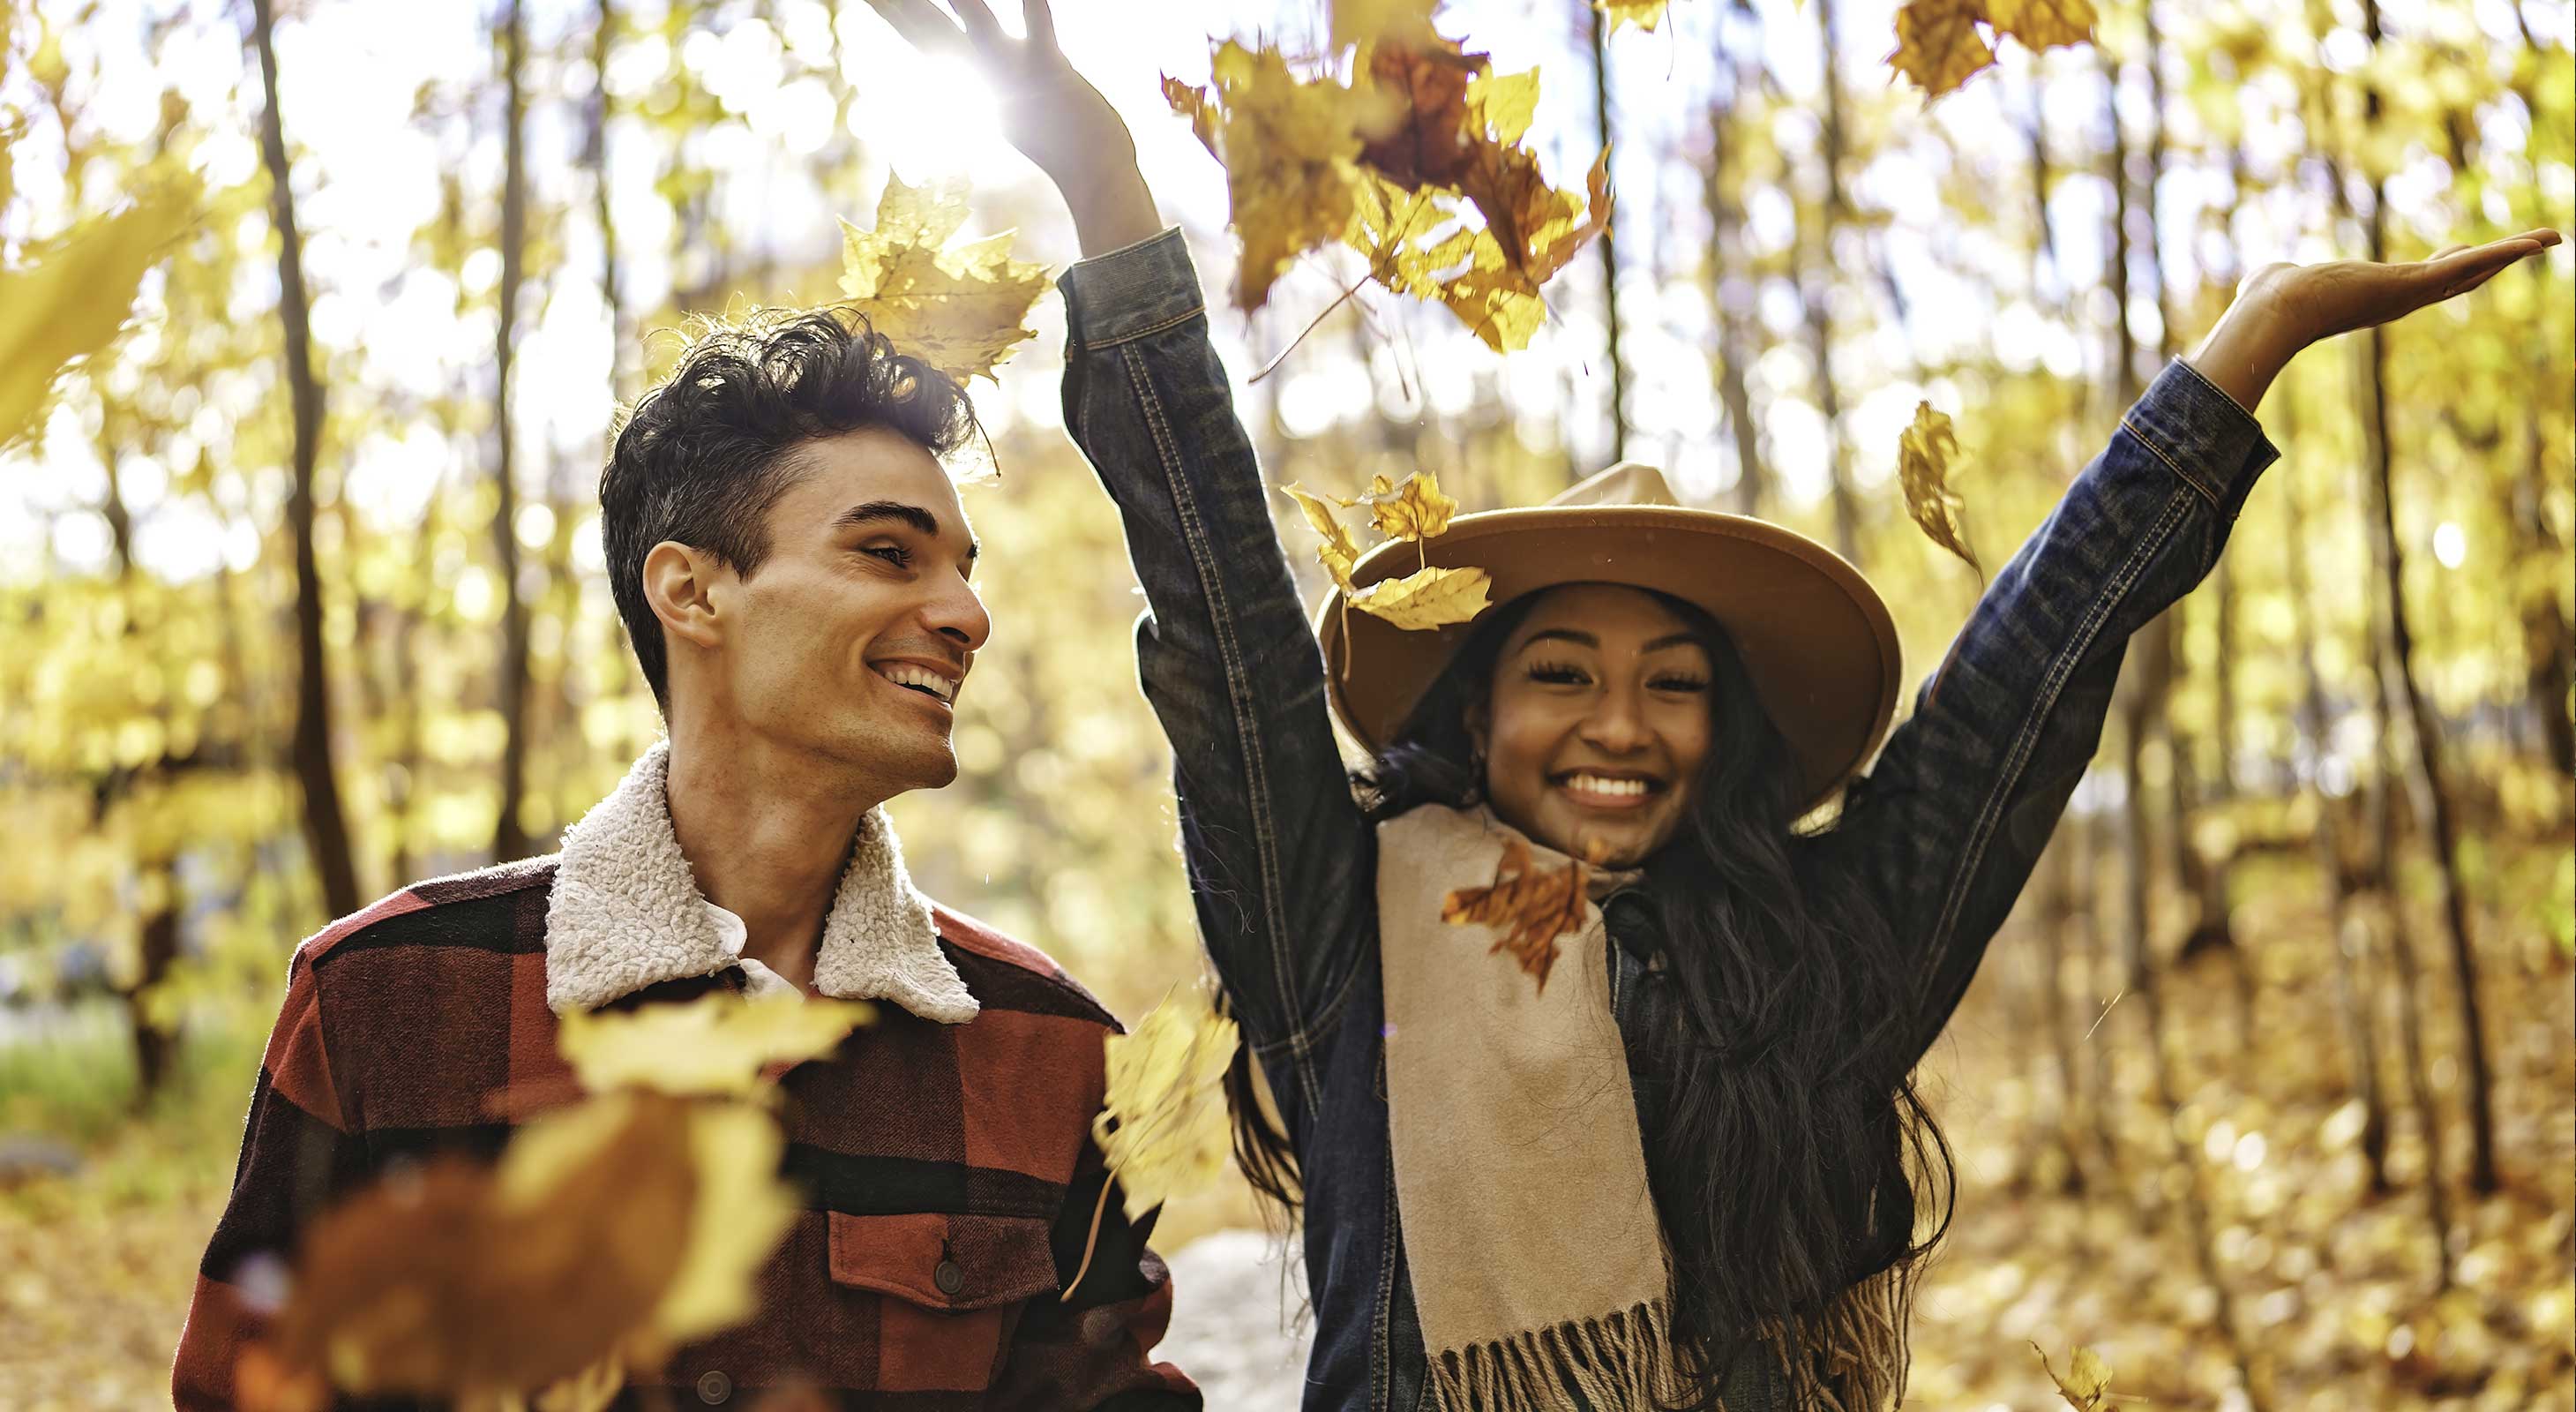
(1597, 723)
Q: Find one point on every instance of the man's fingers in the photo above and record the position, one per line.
(923, 27)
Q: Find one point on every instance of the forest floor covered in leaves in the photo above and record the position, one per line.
(2333, 1290)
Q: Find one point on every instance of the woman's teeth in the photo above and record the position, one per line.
(1596, 784)
(929, 681)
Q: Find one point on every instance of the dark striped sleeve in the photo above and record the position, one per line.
(299, 1149)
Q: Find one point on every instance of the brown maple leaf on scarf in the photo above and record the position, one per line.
(1528, 908)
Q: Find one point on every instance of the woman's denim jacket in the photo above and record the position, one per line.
(1946, 825)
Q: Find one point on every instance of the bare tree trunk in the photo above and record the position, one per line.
(2060, 905)
(509, 840)
(1725, 278)
(1816, 295)
(2351, 941)
(326, 829)
(603, 36)
(1609, 245)
(156, 860)
(2550, 674)
(2424, 776)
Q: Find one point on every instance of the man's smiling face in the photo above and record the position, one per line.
(853, 637)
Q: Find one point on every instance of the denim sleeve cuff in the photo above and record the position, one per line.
(2202, 435)
(1128, 293)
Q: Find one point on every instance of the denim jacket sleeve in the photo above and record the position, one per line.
(1278, 859)
(1949, 822)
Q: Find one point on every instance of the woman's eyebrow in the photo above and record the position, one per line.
(1672, 639)
(1573, 635)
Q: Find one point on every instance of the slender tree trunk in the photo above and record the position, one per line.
(1725, 279)
(603, 38)
(2550, 674)
(326, 829)
(2351, 941)
(1609, 246)
(2061, 905)
(509, 839)
(2424, 776)
(156, 861)
(1816, 295)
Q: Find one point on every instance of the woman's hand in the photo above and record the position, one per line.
(1049, 111)
(2282, 308)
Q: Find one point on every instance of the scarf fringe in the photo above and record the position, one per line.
(1619, 1362)
(1622, 1362)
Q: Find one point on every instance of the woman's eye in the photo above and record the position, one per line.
(1679, 684)
(1555, 675)
(893, 554)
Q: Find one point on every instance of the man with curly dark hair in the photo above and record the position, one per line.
(787, 550)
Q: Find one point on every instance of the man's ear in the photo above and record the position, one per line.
(677, 580)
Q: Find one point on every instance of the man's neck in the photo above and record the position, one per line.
(766, 833)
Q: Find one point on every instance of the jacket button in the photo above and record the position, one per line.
(714, 1388)
(948, 1277)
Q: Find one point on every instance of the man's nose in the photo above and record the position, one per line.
(957, 614)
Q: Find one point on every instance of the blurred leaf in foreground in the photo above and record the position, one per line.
(714, 1046)
(1162, 1124)
(72, 295)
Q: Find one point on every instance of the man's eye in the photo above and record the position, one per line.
(893, 554)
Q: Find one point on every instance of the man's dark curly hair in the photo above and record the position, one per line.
(705, 455)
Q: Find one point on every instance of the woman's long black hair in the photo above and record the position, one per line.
(1788, 1152)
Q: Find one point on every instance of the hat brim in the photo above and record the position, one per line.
(1815, 637)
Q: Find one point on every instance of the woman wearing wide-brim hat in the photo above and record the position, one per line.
(1671, 1152)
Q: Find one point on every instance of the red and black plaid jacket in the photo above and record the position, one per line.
(918, 1145)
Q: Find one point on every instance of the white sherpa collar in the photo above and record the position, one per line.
(626, 913)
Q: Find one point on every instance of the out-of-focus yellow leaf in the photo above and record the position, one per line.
(1162, 1126)
(71, 296)
(1504, 103)
(1428, 598)
(590, 1390)
(1923, 453)
(1367, 21)
(1288, 145)
(1339, 551)
(717, 1044)
(958, 307)
(1644, 14)
(2087, 1381)
(742, 1210)
(1939, 45)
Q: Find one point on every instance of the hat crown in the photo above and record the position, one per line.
(1627, 483)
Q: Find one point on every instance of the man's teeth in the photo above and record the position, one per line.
(1596, 784)
(932, 682)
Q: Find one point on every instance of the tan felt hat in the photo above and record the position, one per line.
(1814, 635)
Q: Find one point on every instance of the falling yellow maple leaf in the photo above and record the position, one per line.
(1923, 453)
(2087, 1381)
(1339, 551)
(958, 307)
(1162, 1125)
(1527, 908)
(1644, 14)
(1413, 511)
(717, 1044)
(1289, 147)
(1428, 598)
(1939, 44)
(69, 297)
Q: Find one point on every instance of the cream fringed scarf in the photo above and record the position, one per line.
(1539, 1267)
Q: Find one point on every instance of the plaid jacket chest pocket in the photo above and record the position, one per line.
(947, 1287)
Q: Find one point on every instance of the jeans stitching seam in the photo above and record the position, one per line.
(2195, 482)
(1103, 345)
(1256, 773)
(2017, 757)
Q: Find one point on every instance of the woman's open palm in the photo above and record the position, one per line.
(2339, 296)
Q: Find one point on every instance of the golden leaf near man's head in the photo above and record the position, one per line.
(1162, 1126)
(959, 308)
(1923, 453)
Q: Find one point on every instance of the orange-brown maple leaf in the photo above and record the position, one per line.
(1527, 907)
(1429, 139)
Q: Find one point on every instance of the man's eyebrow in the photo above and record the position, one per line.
(913, 516)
